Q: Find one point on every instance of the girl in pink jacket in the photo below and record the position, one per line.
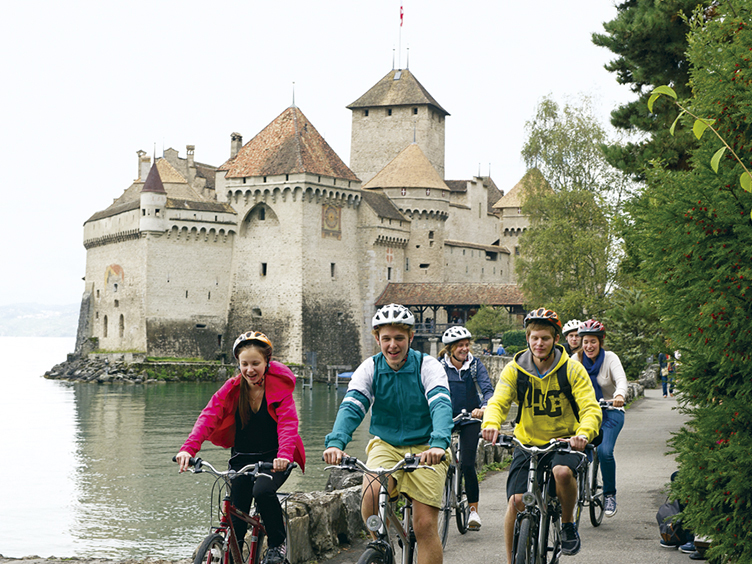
(254, 414)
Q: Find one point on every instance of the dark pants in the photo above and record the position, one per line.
(468, 451)
(264, 490)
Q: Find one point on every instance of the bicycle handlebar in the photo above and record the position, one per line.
(608, 405)
(410, 463)
(508, 441)
(465, 416)
(198, 466)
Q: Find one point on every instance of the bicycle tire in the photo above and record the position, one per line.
(551, 533)
(446, 507)
(462, 513)
(597, 499)
(372, 556)
(211, 550)
(524, 543)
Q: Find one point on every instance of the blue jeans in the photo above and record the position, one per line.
(613, 421)
(670, 380)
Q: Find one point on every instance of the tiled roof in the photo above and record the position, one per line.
(153, 181)
(410, 169)
(513, 198)
(382, 205)
(468, 245)
(116, 209)
(457, 185)
(432, 294)
(194, 205)
(168, 173)
(404, 91)
(494, 194)
(289, 144)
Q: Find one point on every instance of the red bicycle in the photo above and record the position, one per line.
(222, 545)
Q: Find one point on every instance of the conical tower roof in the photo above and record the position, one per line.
(289, 144)
(514, 198)
(154, 182)
(397, 88)
(410, 169)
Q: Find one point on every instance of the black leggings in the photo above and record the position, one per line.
(468, 451)
(264, 491)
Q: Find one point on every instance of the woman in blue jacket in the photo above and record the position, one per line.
(471, 389)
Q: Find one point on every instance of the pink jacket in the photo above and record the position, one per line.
(217, 421)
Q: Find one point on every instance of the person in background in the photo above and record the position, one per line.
(254, 414)
(667, 367)
(471, 389)
(610, 384)
(500, 351)
(572, 340)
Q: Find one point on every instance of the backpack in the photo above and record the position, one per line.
(525, 392)
(669, 525)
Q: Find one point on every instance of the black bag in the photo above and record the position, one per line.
(670, 525)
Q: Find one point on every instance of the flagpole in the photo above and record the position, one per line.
(399, 51)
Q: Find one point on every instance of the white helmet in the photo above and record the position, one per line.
(454, 334)
(571, 325)
(393, 313)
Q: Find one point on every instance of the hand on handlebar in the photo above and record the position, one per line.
(333, 455)
(182, 459)
(280, 464)
(478, 412)
(577, 443)
(490, 434)
(432, 456)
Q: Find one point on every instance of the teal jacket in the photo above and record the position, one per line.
(410, 407)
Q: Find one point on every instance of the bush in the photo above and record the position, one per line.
(515, 339)
(513, 350)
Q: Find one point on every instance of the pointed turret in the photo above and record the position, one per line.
(153, 203)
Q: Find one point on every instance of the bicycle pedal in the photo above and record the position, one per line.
(473, 528)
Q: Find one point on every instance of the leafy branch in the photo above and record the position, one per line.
(699, 127)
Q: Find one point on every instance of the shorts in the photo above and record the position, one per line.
(517, 480)
(425, 486)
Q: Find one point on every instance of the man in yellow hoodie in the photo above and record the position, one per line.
(550, 415)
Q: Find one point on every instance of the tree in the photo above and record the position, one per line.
(694, 234)
(569, 254)
(488, 322)
(650, 41)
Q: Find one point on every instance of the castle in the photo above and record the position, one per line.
(286, 239)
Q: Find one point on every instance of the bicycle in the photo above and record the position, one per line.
(537, 528)
(454, 496)
(222, 546)
(396, 513)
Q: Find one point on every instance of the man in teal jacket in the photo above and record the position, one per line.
(411, 407)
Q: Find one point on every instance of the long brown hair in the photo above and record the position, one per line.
(244, 401)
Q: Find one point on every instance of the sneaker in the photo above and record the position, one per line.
(610, 506)
(697, 556)
(473, 521)
(688, 548)
(570, 539)
(275, 555)
(665, 544)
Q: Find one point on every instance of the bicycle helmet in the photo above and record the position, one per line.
(393, 313)
(543, 315)
(454, 334)
(247, 337)
(571, 325)
(592, 327)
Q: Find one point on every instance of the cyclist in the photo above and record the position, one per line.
(572, 340)
(471, 389)
(550, 415)
(610, 383)
(411, 413)
(254, 414)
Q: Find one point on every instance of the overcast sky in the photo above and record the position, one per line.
(87, 84)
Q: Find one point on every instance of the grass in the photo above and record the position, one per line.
(494, 467)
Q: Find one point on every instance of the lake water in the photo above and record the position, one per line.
(87, 468)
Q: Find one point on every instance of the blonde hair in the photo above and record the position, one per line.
(537, 326)
(408, 328)
(449, 349)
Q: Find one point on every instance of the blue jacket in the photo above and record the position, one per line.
(409, 407)
(462, 385)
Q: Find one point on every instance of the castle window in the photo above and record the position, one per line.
(430, 234)
(117, 303)
(287, 177)
(255, 313)
(114, 286)
(186, 294)
(389, 111)
(264, 178)
(424, 265)
(156, 212)
(263, 269)
(517, 250)
(332, 269)
(388, 272)
(104, 327)
(482, 271)
(97, 293)
(121, 326)
(96, 315)
(365, 113)
(480, 210)
(407, 264)
(143, 212)
(463, 252)
(219, 341)
(262, 214)
(244, 180)
(209, 297)
(415, 111)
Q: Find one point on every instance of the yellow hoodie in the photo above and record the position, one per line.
(550, 416)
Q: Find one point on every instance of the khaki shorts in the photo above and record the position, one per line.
(423, 485)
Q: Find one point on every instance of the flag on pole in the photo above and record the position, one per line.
(401, 15)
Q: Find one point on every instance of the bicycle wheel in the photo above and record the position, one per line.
(463, 507)
(211, 550)
(524, 542)
(446, 507)
(596, 491)
(551, 534)
(372, 556)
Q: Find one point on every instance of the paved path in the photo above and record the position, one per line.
(631, 536)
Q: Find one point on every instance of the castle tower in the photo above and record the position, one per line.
(153, 204)
(389, 117)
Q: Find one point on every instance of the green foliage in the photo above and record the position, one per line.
(513, 349)
(695, 235)
(488, 322)
(569, 253)
(632, 329)
(171, 359)
(650, 41)
(515, 338)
